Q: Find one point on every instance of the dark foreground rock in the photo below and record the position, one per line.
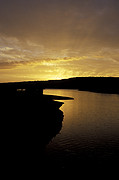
(28, 123)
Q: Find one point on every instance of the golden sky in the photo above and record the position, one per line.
(56, 39)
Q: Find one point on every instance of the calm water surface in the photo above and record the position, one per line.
(90, 130)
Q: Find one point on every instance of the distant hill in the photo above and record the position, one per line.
(94, 84)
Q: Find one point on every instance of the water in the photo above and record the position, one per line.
(89, 133)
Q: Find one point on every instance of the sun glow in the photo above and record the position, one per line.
(57, 40)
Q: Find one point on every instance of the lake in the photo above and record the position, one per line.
(90, 131)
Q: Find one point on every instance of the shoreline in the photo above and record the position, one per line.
(107, 85)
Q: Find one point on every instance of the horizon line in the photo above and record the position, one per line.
(59, 79)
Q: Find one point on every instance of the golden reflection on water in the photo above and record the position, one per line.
(90, 130)
(89, 112)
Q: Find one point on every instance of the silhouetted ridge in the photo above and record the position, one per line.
(95, 84)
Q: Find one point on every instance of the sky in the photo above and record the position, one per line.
(57, 39)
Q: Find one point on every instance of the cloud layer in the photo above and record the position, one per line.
(45, 39)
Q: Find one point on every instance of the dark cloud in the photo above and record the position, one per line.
(61, 23)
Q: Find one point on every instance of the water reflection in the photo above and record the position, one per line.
(90, 134)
